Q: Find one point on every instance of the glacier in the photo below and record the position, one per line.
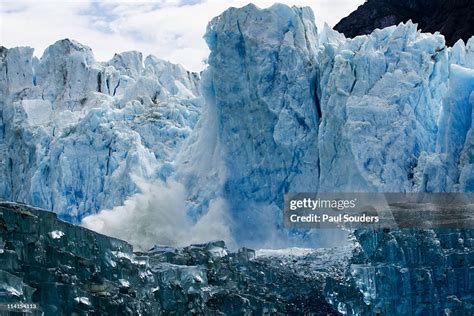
(282, 107)
(386, 112)
(75, 132)
(289, 109)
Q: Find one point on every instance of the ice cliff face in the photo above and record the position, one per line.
(74, 132)
(412, 272)
(451, 167)
(261, 88)
(363, 112)
(381, 96)
(286, 109)
(294, 110)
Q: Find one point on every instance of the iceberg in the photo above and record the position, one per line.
(86, 272)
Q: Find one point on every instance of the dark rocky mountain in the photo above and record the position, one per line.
(452, 18)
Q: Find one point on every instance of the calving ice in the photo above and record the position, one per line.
(143, 150)
(395, 117)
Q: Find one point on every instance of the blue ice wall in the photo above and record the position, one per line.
(75, 132)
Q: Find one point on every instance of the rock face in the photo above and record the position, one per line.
(453, 19)
(73, 131)
(66, 269)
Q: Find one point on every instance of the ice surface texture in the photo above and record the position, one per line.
(292, 110)
(342, 115)
(286, 109)
(391, 111)
(74, 132)
(261, 87)
(408, 272)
